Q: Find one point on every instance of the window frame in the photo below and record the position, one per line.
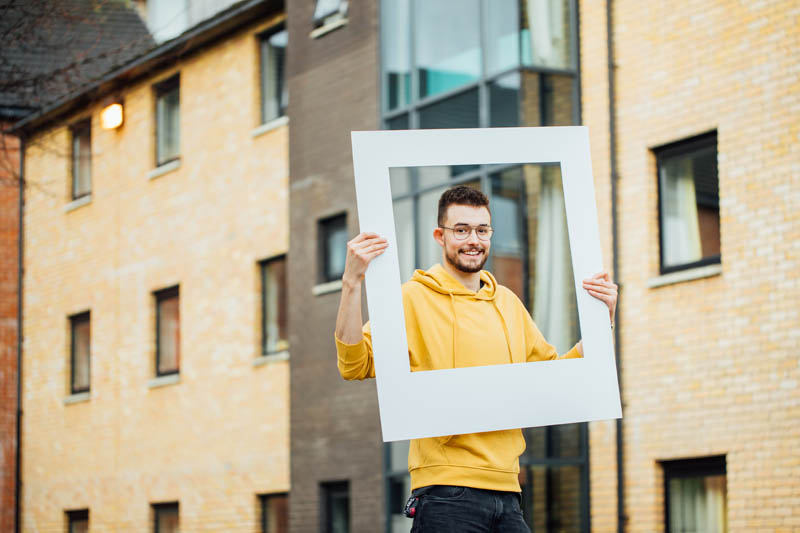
(263, 266)
(166, 506)
(75, 320)
(74, 516)
(323, 233)
(715, 465)
(161, 295)
(160, 90)
(82, 126)
(327, 17)
(284, 88)
(673, 150)
(262, 503)
(328, 490)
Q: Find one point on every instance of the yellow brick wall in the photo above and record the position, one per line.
(710, 366)
(221, 435)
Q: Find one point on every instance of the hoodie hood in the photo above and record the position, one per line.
(438, 279)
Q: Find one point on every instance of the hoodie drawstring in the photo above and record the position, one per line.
(505, 330)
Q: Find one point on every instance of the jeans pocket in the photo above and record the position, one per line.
(446, 492)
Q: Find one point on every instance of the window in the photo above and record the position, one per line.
(329, 11)
(80, 348)
(81, 159)
(335, 507)
(168, 331)
(165, 517)
(333, 247)
(274, 96)
(695, 495)
(274, 513)
(689, 203)
(168, 120)
(78, 521)
(274, 310)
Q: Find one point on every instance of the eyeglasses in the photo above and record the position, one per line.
(462, 231)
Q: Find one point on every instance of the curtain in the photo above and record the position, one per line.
(679, 223)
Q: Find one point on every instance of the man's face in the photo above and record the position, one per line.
(471, 254)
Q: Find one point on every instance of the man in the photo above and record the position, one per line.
(456, 316)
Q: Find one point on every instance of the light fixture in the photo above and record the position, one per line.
(111, 116)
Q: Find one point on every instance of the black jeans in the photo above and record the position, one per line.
(449, 509)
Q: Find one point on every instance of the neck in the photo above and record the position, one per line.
(470, 280)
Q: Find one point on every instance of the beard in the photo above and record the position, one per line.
(467, 264)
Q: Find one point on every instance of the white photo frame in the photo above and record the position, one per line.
(486, 398)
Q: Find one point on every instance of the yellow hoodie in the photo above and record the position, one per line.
(450, 326)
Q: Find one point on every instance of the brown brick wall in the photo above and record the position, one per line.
(9, 326)
(334, 424)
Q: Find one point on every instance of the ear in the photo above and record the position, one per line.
(438, 236)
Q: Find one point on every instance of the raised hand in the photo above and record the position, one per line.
(362, 249)
(601, 287)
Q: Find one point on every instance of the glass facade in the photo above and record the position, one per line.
(502, 63)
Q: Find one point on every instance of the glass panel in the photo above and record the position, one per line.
(398, 455)
(504, 45)
(81, 335)
(399, 491)
(459, 111)
(689, 207)
(274, 513)
(504, 94)
(404, 230)
(168, 335)
(546, 33)
(551, 498)
(79, 525)
(81, 161)
(697, 505)
(508, 221)
(397, 123)
(168, 125)
(396, 52)
(276, 334)
(546, 99)
(340, 512)
(274, 96)
(335, 235)
(167, 519)
(447, 44)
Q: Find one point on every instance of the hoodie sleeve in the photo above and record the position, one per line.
(539, 349)
(355, 360)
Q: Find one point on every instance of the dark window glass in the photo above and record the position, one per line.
(274, 513)
(460, 111)
(80, 328)
(696, 495)
(504, 95)
(165, 518)
(398, 123)
(336, 507)
(399, 483)
(274, 326)
(274, 95)
(333, 241)
(448, 55)
(396, 53)
(546, 33)
(551, 498)
(78, 521)
(689, 203)
(168, 120)
(168, 331)
(81, 159)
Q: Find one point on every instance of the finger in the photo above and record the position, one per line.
(375, 254)
(362, 236)
(367, 242)
(369, 249)
(601, 296)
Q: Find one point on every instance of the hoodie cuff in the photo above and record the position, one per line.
(351, 352)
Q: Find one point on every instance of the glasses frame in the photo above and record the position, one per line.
(471, 230)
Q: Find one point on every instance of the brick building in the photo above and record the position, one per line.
(692, 113)
(155, 355)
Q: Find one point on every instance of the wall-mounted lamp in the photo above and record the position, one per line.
(111, 116)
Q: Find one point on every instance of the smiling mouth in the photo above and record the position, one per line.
(471, 253)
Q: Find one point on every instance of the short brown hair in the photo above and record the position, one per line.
(461, 195)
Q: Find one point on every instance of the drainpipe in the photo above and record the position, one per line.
(18, 469)
(612, 135)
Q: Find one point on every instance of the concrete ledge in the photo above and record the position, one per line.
(327, 28)
(325, 288)
(685, 275)
(163, 381)
(269, 126)
(163, 169)
(271, 358)
(76, 203)
(78, 397)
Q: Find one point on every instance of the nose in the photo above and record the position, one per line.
(472, 238)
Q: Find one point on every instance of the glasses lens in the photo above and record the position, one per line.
(461, 232)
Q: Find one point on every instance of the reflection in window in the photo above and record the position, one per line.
(274, 309)
(396, 53)
(448, 55)
(696, 495)
(168, 120)
(551, 498)
(168, 332)
(274, 513)
(81, 159)
(333, 243)
(546, 33)
(336, 507)
(503, 43)
(80, 326)
(274, 95)
(165, 518)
